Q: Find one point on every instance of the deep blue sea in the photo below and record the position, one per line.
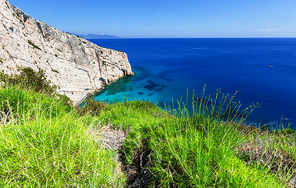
(263, 69)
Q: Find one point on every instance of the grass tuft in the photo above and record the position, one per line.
(92, 107)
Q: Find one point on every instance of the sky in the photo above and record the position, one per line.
(167, 18)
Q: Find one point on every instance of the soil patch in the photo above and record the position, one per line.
(138, 174)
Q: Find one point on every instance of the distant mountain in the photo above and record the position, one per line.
(97, 36)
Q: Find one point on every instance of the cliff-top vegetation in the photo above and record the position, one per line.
(46, 142)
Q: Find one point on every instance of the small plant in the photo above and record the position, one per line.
(56, 55)
(92, 106)
(141, 105)
(1, 61)
(284, 132)
(34, 45)
(53, 70)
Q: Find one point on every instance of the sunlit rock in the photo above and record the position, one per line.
(76, 65)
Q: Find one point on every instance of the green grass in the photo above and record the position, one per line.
(195, 151)
(46, 142)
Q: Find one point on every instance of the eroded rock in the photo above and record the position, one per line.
(79, 67)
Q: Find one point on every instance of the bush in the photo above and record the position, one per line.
(92, 107)
(31, 80)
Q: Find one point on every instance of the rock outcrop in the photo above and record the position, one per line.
(79, 67)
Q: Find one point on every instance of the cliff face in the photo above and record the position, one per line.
(77, 66)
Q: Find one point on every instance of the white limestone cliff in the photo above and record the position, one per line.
(79, 67)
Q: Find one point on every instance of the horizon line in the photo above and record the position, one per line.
(182, 37)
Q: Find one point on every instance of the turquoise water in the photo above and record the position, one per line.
(264, 70)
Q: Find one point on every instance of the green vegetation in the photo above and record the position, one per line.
(202, 150)
(31, 80)
(91, 107)
(44, 142)
(34, 45)
(53, 70)
(47, 142)
(28, 78)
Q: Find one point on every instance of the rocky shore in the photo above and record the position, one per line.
(77, 66)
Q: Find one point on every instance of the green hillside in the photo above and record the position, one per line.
(45, 142)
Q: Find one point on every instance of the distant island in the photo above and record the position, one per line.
(97, 36)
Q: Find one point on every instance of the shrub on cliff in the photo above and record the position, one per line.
(31, 80)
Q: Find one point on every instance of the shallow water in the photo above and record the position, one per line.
(167, 68)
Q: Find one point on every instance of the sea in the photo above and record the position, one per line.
(168, 71)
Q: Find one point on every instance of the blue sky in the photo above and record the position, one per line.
(167, 18)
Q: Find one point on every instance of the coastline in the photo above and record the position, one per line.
(192, 63)
(76, 65)
(100, 90)
(236, 146)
